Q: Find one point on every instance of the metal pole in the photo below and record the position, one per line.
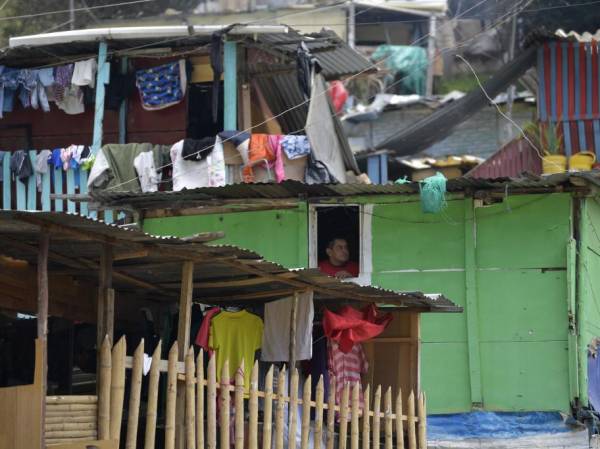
(510, 94)
(72, 14)
(351, 34)
(430, 55)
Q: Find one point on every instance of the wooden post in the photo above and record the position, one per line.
(104, 391)
(366, 430)
(200, 400)
(239, 407)
(104, 283)
(280, 409)
(171, 397)
(319, 396)
(422, 421)
(293, 413)
(211, 406)
(331, 414)
(183, 340)
(306, 400)
(190, 404)
(224, 402)
(42, 319)
(117, 388)
(410, 421)
(344, 417)
(376, 417)
(354, 429)
(293, 319)
(151, 410)
(230, 86)
(399, 422)
(268, 410)
(134, 397)
(253, 409)
(389, 424)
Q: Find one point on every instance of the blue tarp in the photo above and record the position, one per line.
(494, 425)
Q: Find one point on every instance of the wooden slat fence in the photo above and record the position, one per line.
(24, 195)
(350, 426)
(70, 418)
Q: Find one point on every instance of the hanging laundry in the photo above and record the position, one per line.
(276, 334)
(55, 158)
(347, 368)
(28, 80)
(338, 94)
(84, 73)
(317, 172)
(350, 326)
(189, 174)
(41, 167)
(295, 147)
(62, 79)
(2, 153)
(65, 157)
(241, 140)
(162, 86)
(236, 336)
(120, 87)
(8, 86)
(114, 166)
(72, 101)
(146, 170)
(39, 96)
(20, 165)
(203, 335)
(275, 144)
(77, 153)
(305, 64)
(197, 149)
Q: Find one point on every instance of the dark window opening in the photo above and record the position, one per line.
(200, 118)
(338, 222)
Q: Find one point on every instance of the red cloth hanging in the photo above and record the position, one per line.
(338, 94)
(350, 326)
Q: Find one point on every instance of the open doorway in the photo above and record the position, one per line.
(338, 222)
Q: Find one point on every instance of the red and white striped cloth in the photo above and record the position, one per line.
(346, 368)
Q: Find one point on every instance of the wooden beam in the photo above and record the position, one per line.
(248, 296)
(42, 319)
(235, 282)
(205, 210)
(135, 254)
(105, 276)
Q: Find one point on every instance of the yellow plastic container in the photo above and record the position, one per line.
(582, 161)
(554, 163)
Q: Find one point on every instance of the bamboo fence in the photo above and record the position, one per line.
(323, 423)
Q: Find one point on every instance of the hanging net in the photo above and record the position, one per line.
(433, 193)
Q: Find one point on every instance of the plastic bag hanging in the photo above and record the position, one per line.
(433, 193)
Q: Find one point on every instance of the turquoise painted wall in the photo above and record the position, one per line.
(511, 352)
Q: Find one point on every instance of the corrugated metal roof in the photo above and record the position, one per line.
(76, 242)
(299, 190)
(513, 159)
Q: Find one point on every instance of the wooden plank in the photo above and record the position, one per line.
(45, 193)
(268, 410)
(388, 421)
(58, 188)
(190, 403)
(6, 182)
(134, 397)
(422, 429)
(253, 409)
(319, 396)
(83, 189)
(331, 414)
(239, 407)
(355, 411)
(105, 368)
(42, 319)
(410, 421)
(376, 417)
(171, 398)
(242, 282)
(293, 411)
(31, 187)
(211, 406)
(151, 408)
(73, 399)
(183, 340)
(281, 381)
(21, 192)
(200, 400)
(342, 444)
(117, 388)
(366, 425)
(104, 283)
(224, 404)
(399, 422)
(108, 444)
(306, 406)
(54, 427)
(70, 190)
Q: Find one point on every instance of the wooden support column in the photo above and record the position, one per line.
(230, 85)
(183, 343)
(42, 320)
(123, 106)
(105, 320)
(293, 319)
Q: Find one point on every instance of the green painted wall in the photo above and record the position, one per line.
(279, 236)
(589, 284)
(511, 351)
